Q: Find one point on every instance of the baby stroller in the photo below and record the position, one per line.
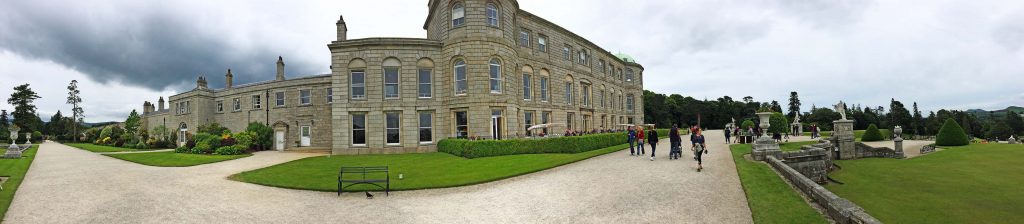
(675, 152)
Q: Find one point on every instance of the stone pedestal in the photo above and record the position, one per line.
(13, 152)
(1012, 140)
(898, 147)
(765, 146)
(797, 128)
(842, 133)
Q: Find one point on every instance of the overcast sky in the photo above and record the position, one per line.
(940, 53)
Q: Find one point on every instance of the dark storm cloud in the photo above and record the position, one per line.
(137, 43)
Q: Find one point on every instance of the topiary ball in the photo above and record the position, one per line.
(951, 134)
(872, 134)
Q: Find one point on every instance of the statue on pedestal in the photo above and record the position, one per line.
(841, 109)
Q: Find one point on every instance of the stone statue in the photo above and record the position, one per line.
(841, 109)
(796, 119)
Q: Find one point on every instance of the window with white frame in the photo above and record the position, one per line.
(524, 38)
(601, 95)
(425, 80)
(527, 93)
(542, 43)
(586, 94)
(257, 102)
(629, 103)
(568, 93)
(629, 75)
(358, 84)
(220, 106)
(236, 104)
(304, 97)
(279, 97)
(391, 82)
(492, 14)
(391, 120)
(567, 53)
(544, 89)
(460, 78)
(495, 75)
(458, 15)
(600, 65)
(583, 57)
(330, 95)
(426, 127)
(461, 124)
(544, 119)
(358, 129)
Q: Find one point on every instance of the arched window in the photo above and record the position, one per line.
(391, 66)
(458, 15)
(460, 77)
(492, 14)
(495, 73)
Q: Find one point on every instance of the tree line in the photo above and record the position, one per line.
(666, 110)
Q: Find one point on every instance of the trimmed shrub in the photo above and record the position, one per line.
(182, 149)
(264, 135)
(574, 144)
(140, 145)
(205, 143)
(245, 139)
(872, 134)
(212, 128)
(230, 150)
(951, 134)
(747, 124)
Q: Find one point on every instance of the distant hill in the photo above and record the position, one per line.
(87, 124)
(984, 114)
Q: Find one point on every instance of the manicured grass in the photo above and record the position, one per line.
(794, 146)
(979, 183)
(102, 148)
(171, 159)
(771, 200)
(421, 171)
(15, 169)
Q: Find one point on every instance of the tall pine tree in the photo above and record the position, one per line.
(917, 123)
(24, 111)
(76, 108)
(794, 104)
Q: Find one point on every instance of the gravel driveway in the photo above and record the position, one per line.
(67, 185)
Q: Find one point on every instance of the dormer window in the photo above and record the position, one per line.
(458, 15)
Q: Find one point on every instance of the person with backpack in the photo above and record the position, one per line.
(640, 141)
(727, 135)
(699, 148)
(652, 138)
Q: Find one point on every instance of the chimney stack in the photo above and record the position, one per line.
(161, 104)
(229, 80)
(147, 107)
(342, 29)
(280, 68)
(201, 82)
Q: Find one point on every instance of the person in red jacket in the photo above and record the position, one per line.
(640, 139)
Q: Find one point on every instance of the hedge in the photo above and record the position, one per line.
(574, 144)
(872, 134)
(951, 134)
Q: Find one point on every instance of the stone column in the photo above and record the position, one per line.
(765, 146)
(842, 132)
(898, 141)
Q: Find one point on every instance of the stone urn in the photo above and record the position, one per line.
(898, 131)
(28, 137)
(763, 117)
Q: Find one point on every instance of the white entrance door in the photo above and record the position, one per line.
(279, 141)
(496, 127)
(182, 137)
(304, 140)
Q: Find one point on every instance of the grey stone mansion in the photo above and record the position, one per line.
(486, 70)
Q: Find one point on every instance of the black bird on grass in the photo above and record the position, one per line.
(368, 195)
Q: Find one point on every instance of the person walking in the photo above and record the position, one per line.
(640, 141)
(631, 138)
(727, 135)
(675, 142)
(699, 148)
(652, 138)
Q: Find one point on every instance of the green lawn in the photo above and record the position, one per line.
(794, 146)
(979, 183)
(102, 148)
(421, 170)
(16, 169)
(771, 200)
(171, 159)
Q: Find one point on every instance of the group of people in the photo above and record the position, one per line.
(570, 132)
(637, 138)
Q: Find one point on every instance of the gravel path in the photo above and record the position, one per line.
(66, 185)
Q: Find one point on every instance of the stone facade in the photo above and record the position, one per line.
(486, 69)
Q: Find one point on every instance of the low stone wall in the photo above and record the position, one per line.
(812, 162)
(837, 208)
(866, 151)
